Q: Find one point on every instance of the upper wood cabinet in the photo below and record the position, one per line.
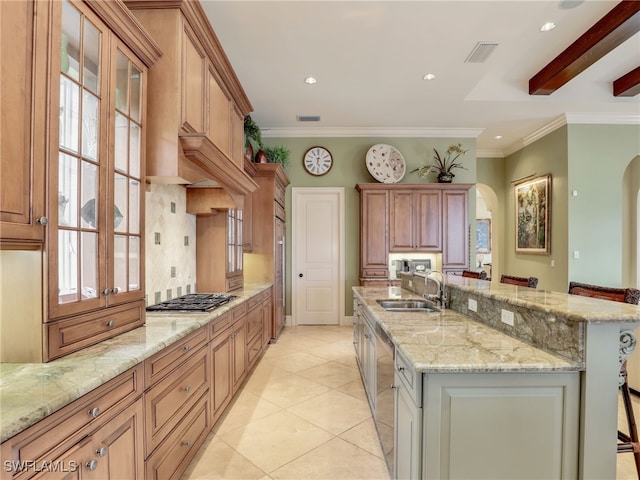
(410, 218)
(197, 105)
(414, 221)
(24, 31)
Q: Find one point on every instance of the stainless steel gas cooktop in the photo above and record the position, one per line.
(194, 302)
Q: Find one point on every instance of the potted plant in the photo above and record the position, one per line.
(278, 154)
(443, 164)
(252, 135)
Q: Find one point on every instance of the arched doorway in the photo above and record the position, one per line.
(631, 224)
(487, 208)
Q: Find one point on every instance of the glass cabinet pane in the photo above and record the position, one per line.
(69, 112)
(134, 263)
(134, 150)
(91, 60)
(121, 143)
(68, 266)
(89, 188)
(89, 264)
(120, 262)
(136, 94)
(134, 206)
(122, 82)
(67, 190)
(120, 199)
(70, 42)
(90, 125)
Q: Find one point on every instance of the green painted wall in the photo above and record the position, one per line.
(546, 155)
(598, 156)
(349, 169)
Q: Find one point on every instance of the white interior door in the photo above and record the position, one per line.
(317, 252)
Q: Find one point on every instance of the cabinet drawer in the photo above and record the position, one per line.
(51, 437)
(238, 313)
(378, 272)
(235, 282)
(167, 402)
(219, 325)
(166, 360)
(254, 348)
(280, 212)
(254, 323)
(254, 301)
(174, 455)
(411, 379)
(73, 334)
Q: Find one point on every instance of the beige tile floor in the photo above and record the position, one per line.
(302, 414)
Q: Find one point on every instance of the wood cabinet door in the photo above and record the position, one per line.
(193, 83)
(222, 388)
(118, 446)
(23, 47)
(374, 233)
(428, 215)
(279, 300)
(402, 221)
(237, 136)
(455, 224)
(219, 114)
(239, 351)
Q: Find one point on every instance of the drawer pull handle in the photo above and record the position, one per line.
(111, 323)
(94, 412)
(186, 348)
(101, 452)
(92, 465)
(187, 443)
(187, 389)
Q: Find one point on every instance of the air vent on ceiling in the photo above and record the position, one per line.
(481, 52)
(308, 118)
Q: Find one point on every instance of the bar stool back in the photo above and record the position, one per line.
(531, 282)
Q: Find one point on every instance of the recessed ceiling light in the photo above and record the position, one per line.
(429, 76)
(310, 80)
(548, 26)
(498, 137)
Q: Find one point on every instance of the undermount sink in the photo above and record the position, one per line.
(396, 305)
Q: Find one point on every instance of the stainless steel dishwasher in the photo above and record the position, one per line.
(385, 393)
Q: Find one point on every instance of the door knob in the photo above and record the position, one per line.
(300, 275)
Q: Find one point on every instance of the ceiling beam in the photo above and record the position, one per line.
(628, 85)
(620, 24)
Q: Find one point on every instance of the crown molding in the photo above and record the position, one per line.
(489, 153)
(298, 132)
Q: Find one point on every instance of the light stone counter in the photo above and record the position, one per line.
(31, 391)
(448, 341)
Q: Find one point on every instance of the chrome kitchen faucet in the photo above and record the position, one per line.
(441, 296)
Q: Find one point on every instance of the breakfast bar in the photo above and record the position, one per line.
(507, 381)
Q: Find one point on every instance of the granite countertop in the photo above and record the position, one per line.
(31, 391)
(450, 342)
(572, 307)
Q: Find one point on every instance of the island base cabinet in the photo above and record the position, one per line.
(501, 426)
(407, 435)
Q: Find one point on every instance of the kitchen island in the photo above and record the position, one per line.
(536, 399)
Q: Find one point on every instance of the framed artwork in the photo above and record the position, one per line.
(533, 215)
(483, 235)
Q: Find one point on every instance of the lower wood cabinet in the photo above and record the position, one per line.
(149, 421)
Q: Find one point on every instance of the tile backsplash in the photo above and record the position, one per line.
(170, 244)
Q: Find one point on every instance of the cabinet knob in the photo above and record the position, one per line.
(116, 290)
(101, 452)
(106, 291)
(300, 275)
(187, 389)
(393, 387)
(400, 369)
(186, 348)
(92, 465)
(111, 323)
(187, 443)
(42, 220)
(94, 412)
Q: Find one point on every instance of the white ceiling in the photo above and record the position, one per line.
(369, 59)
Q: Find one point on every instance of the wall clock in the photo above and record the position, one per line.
(317, 161)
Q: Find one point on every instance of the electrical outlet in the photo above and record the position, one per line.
(410, 283)
(473, 305)
(507, 317)
(576, 254)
